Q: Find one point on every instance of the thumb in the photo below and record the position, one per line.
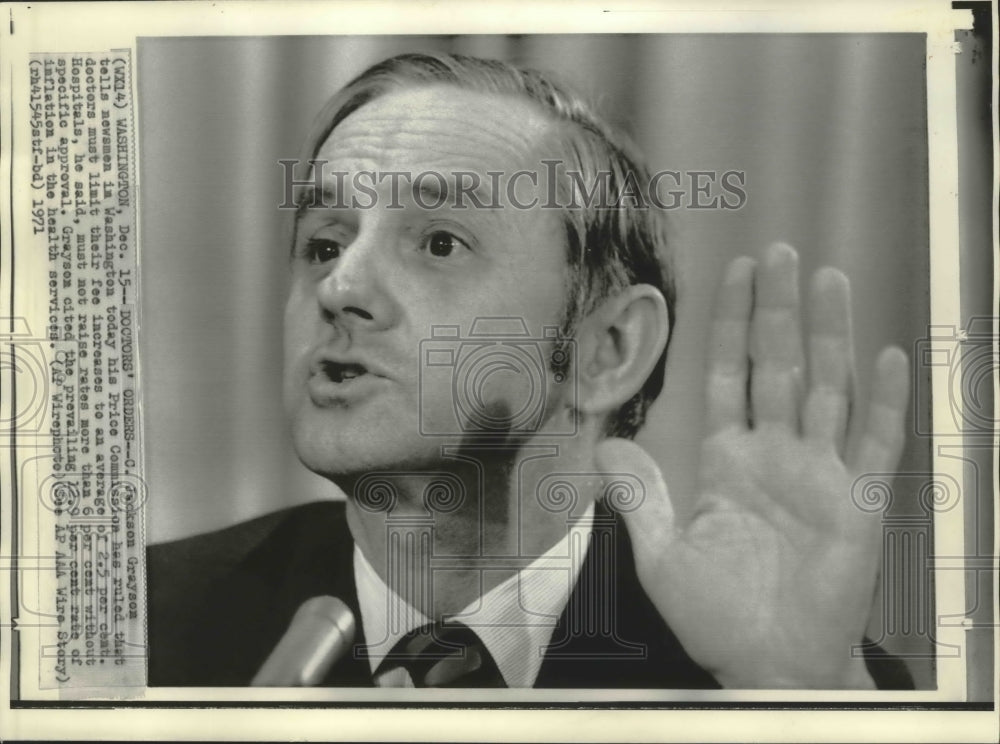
(648, 512)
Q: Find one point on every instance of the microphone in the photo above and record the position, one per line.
(320, 633)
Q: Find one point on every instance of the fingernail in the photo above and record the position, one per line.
(740, 269)
(779, 253)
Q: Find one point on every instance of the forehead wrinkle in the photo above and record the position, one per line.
(459, 152)
(419, 126)
(397, 131)
(393, 131)
(426, 154)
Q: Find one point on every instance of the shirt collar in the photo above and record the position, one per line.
(514, 620)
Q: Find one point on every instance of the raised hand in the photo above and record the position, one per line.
(772, 580)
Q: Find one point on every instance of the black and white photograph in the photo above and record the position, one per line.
(478, 413)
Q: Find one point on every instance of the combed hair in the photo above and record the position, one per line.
(609, 248)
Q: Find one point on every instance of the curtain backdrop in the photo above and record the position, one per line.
(829, 129)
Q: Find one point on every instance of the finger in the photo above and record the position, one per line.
(881, 443)
(776, 340)
(726, 386)
(831, 360)
(650, 518)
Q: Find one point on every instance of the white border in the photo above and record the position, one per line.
(99, 26)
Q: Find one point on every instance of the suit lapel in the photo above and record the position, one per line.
(319, 554)
(214, 622)
(610, 635)
(219, 603)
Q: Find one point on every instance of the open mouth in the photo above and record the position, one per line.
(340, 372)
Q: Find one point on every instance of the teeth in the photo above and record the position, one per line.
(342, 372)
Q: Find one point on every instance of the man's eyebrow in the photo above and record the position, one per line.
(309, 197)
(461, 188)
(432, 190)
(464, 188)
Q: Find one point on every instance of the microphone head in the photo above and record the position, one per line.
(321, 632)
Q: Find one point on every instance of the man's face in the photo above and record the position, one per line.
(370, 283)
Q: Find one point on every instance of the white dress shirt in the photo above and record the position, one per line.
(514, 620)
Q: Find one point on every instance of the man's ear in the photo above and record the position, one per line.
(618, 345)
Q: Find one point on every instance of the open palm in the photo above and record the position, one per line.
(771, 582)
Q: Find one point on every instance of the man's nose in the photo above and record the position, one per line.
(354, 293)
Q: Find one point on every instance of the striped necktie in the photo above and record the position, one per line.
(444, 655)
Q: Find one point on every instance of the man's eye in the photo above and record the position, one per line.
(320, 250)
(442, 244)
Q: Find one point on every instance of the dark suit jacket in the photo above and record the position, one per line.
(219, 603)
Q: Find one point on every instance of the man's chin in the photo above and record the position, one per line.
(341, 443)
(355, 451)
